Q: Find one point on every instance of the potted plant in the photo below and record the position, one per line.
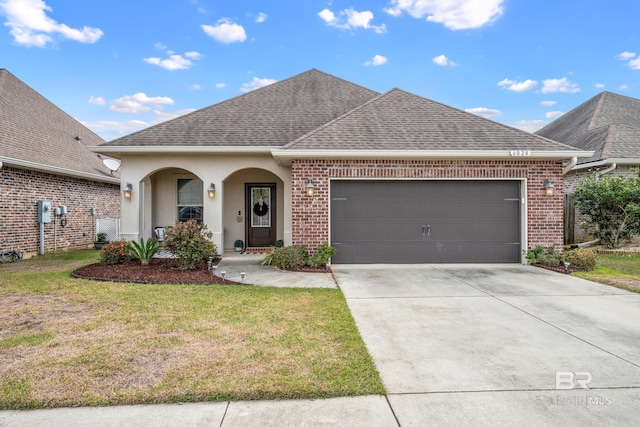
(101, 240)
(239, 245)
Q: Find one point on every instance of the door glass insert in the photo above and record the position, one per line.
(261, 202)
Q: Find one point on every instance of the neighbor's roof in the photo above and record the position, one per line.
(608, 124)
(399, 120)
(35, 134)
(271, 116)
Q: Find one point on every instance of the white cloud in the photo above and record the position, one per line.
(220, 85)
(102, 127)
(559, 85)
(529, 125)
(376, 61)
(160, 46)
(30, 25)
(175, 62)
(226, 31)
(97, 101)
(554, 114)
(256, 83)
(548, 103)
(624, 87)
(350, 19)
(443, 61)
(518, 86)
(625, 56)
(196, 86)
(261, 17)
(453, 14)
(634, 64)
(138, 103)
(599, 85)
(487, 113)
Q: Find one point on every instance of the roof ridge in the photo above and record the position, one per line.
(609, 140)
(597, 111)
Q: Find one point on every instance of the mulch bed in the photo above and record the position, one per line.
(557, 268)
(159, 270)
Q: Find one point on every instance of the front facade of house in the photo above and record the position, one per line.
(382, 177)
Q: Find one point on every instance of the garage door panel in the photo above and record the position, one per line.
(425, 221)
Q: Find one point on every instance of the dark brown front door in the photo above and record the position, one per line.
(425, 221)
(261, 214)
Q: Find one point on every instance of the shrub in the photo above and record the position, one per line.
(287, 258)
(540, 255)
(115, 253)
(322, 255)
(583, 259)
(143, 251)
(279, 243)
(190, 242)
(101, 237)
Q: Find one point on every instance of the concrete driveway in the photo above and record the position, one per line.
(498, 344)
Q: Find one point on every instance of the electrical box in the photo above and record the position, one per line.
(44, 211)
(63, 210)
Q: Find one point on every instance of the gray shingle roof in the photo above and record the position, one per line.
(398, 120)
(608, 123)
(32, 129)
(270, 116)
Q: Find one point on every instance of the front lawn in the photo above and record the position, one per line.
(68, 342)
(619, 270)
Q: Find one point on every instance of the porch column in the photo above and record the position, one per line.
(130, 212)
(212, 215)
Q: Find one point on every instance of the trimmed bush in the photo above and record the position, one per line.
(581, 258)
(190, 242)
(288, 258)
(540, 255)
(322, 255)
(115, 253)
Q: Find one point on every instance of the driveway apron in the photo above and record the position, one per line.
(498, 344)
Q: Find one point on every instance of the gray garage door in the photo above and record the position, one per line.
(425, 221)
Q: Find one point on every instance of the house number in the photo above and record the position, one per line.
(520, 153)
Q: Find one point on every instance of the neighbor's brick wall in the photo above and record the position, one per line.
(20, 191)
(310, 216)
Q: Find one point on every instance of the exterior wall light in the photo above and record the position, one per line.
(548, 187)
(211, 191)
(127, 191)
(310, 187)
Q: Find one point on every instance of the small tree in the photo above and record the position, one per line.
(190, 242)
(613, 206)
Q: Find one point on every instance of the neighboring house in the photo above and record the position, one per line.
(390, 177)
(607, 124)
(43, 157)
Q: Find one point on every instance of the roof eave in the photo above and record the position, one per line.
(619, 161)
(23, 164)
(118, 151)
(285, 157)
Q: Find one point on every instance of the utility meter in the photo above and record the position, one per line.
(44, 211)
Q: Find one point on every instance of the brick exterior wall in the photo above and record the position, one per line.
(20, 191)
(310, 215)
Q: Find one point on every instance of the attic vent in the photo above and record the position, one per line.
(78, 139)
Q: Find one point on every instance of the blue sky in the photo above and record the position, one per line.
(121, 66)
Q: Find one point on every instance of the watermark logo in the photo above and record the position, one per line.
(572, 380)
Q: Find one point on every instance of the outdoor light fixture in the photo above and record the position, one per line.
(242, 276)
(212, 191)
(548, 187)
(223, 273)
(310, 187)
(213, 269)
(209, 262)
(127, 191)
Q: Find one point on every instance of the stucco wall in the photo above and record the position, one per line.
(543, 219)
(20, 191)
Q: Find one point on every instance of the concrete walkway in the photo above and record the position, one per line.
(454, 344)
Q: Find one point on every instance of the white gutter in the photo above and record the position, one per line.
(286, 155)
(609, 169)
(572, 163)
(617, 161)
(57, 171)
(114, 150)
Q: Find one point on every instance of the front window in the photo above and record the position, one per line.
(190, 199)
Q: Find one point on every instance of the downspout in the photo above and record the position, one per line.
(609, 169)
(570, 165)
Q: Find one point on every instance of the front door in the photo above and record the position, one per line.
(261, 215)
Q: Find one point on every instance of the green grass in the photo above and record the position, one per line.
(620, 270)
(67, 342)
